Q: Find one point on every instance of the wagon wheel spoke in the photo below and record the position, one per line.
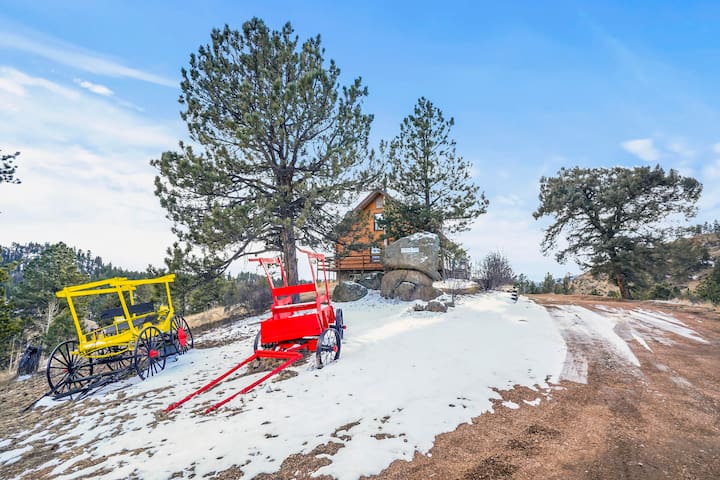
(66, 369)
(182, 338)
(149, 355)
(328, 347)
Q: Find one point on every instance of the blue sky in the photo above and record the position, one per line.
(88, 94)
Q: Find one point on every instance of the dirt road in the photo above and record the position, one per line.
(660, 421)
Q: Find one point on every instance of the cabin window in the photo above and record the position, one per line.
(379, 202)
(378, 218)
(375, 255)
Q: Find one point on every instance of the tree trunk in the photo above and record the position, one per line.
(52, 311)
(622, 285)
(290, 255)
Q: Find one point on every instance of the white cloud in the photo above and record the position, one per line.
(84, 166)
(716, 148)
(642, 148)
(71, 55)
(518, 236)
(94, 87)
(681, 149)
(712, 171)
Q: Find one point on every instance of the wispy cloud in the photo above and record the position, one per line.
(643, 148)
(712, 171)
(679, 147)
(71, 55)
(84, 163)
(94, 87)
(716, 148)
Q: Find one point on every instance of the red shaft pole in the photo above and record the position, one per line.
(211, 384)
(296, 357)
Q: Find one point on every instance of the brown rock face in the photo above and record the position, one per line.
(408, 285)
(419, 251)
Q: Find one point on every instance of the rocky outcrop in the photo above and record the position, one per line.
(408, 285)
(435, 306)
(371, 281)
(419, 252)
(348, 292)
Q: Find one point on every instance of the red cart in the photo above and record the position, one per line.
(301, 318)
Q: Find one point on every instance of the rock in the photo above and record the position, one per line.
(371, 281)
(348, 292)
(419, 251)
(408, 285)
(435, 306)
(404, 291)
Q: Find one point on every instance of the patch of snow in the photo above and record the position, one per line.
(454, 283)
(533, 403)
(12, 456)
(681, 382)
(575, 368)
(580, 320)
(511, 405)
(667, 323)
(641, 341)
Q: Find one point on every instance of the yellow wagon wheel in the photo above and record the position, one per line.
(66, 369)
(149, 356)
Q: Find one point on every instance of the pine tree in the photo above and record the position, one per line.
(280, 146)
(7, 168)
(430, 186)
(53, 270)
(10, 325)
(612, 217)
(709, 288)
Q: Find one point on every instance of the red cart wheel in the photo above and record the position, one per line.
(328, 347)
(149, 352)
(181, 335)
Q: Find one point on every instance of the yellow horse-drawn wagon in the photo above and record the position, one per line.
(131, 336)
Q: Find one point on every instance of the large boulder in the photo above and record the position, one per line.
(371, 281)
(348, 292)
(408, 285)
(419, 251)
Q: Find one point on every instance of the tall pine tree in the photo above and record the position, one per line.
(430, 187)
(281, 144)
(612, 217)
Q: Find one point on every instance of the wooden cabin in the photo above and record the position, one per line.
(348, 263)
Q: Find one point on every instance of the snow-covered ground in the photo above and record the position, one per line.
(403, 378)
(614, 330)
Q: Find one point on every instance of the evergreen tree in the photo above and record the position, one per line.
(7, 168)
(709, 288)
(53, 270)
(281, 146)
(10, 325)
(548, 284)
(430, 186)
(612, 216)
